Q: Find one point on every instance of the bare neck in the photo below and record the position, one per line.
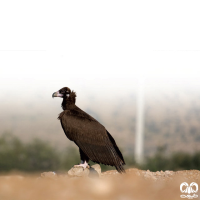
(69, 102)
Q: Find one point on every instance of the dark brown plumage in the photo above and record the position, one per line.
(94, 141)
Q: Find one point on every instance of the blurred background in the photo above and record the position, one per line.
(103, 51)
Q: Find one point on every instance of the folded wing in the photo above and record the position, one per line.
(91, 137)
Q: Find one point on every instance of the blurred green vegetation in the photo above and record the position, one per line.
(174, 161)
(39, 156)
(35, 156)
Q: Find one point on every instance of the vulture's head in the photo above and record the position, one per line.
(63, 93)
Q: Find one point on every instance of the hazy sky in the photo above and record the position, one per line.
(95, 72)
(100, 49)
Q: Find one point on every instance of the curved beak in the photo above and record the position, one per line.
(57, 94)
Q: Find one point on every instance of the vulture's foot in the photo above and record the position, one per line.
(84, 165)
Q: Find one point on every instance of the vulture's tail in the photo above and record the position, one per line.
(119, 160)
(120, 169)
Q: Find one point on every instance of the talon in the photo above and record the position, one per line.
(84, 165)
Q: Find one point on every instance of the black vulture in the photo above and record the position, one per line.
(94, 141)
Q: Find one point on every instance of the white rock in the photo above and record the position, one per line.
(97, 168)
(78, 171)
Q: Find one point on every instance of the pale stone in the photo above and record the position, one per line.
(49, 175)
(78, 171)
(97, 168)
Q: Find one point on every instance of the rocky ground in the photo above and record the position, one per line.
(92, 184)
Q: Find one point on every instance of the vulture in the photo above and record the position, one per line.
(94, 141)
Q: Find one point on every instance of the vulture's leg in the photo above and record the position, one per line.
(84, 159)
